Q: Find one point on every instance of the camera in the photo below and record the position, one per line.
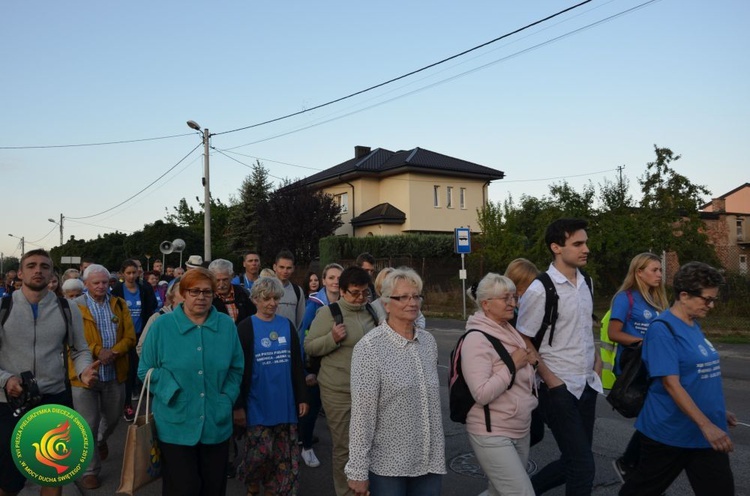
(30, 397)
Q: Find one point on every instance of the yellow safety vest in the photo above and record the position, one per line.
(608, 352)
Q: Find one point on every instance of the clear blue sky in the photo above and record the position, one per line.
(674, 73)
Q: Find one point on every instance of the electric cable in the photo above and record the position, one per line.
(103, 143)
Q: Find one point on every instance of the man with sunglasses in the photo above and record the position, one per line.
(333, 334)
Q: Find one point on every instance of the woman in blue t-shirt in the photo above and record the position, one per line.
(683, 423)
(272, 397)
(640, 299)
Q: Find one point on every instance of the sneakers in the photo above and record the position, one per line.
(308, 456)
(128, 414)
(622, 470)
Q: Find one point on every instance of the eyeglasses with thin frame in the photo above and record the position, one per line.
(708, 300)
(508, 298)
(359, 294)
(195, 292)
(407, 298)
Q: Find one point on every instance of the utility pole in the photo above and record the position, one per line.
(206, 192)
(620, 188)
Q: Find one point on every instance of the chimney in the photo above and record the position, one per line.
(361, 151)
(718, 205)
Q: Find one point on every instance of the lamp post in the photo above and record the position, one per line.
(61, 226)
(22, 242)
(206, 192)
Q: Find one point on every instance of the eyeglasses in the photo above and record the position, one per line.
(195, 293)
(708, 300)
(359, 294)
(508, 299)
(407, 298)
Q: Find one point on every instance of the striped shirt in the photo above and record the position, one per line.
(107, 326)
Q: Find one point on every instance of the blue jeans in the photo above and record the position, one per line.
(571, 421)
(423, 485)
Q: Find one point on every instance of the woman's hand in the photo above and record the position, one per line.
(718, 438)
(238, 417)
(360, 488)
(303, 409)
(311, 380)
(731, 419)
(521, 358)
(339, 332)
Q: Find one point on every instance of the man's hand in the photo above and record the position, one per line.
(90, 376)
(598, 364)
(339, 332)
(13, 387)
(303, 409)
(360, 488)
(106, 356)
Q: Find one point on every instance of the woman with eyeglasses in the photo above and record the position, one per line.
(333, 337)
(397, 444)
(684, 422)
(197, 364)
(502, 447)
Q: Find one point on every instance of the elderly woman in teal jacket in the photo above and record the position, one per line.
(197, 364)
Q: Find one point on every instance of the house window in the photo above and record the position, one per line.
(449, 196)
(462, 198)
(342, 201)
(436, 196)
(739, 231)
(743, 264)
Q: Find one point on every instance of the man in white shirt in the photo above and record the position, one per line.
(292, 304)
(569, 368)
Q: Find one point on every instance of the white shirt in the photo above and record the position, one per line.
(571, 356)
(396, 427)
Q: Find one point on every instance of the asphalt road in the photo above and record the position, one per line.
(464, 477)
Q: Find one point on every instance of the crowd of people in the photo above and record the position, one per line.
(241, 366)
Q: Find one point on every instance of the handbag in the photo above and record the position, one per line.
(141, 461)
(629, 390)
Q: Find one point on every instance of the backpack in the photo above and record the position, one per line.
(313, 362)
(550, 307)
(461, 399)
(608, 348)
(629, 391)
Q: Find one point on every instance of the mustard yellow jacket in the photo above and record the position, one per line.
(125, 337)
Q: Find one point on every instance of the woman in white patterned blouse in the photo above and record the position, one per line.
(396, 442)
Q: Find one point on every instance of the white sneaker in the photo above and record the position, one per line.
(308, 456)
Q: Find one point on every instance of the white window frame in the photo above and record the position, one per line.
(436, 196)
(462, 198)
(449, 196)
(342, 200)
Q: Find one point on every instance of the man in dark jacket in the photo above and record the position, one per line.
(230, 299)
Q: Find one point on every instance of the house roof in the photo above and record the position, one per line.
(727, 195)
(385, 213)
(382, 162)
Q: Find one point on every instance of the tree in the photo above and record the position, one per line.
(669, 210)
(243, 221)
(296, 217)
(184, 215)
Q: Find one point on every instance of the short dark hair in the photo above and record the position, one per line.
(694, 277)
(250, 252)
(128, 263)
(353, 276)
(39, 252)
(285, 254)
(560, 230)
(364, 257)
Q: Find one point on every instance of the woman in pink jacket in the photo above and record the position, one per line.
(504, 450)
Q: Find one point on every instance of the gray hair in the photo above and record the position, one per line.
(72, 284)
(400, 274)
(490, 286)
(221, 266)
(94, 269)
(266, 287)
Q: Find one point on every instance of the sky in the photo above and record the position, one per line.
(570, 99)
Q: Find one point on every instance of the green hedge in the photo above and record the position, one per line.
(335, 248)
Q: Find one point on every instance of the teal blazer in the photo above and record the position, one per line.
(196, 378)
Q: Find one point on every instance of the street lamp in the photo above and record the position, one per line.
(22, 242)
(61, 226)
(206, 192)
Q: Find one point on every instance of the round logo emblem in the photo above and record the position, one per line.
(647, 314)
(265, 342)
(702, 350)
(52, 445)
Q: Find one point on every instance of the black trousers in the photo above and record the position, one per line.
(199, 470)
(659, 465)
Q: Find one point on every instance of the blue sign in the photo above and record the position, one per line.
(462, 242)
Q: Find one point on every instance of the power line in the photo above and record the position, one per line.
(54, 228)
(96, 225)
(269, 160)
(554, 178)
(141, 191)
(103, 143)
(246, 165)
(403, 76)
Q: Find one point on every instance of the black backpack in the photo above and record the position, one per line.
(550, 307)
(461, 399)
